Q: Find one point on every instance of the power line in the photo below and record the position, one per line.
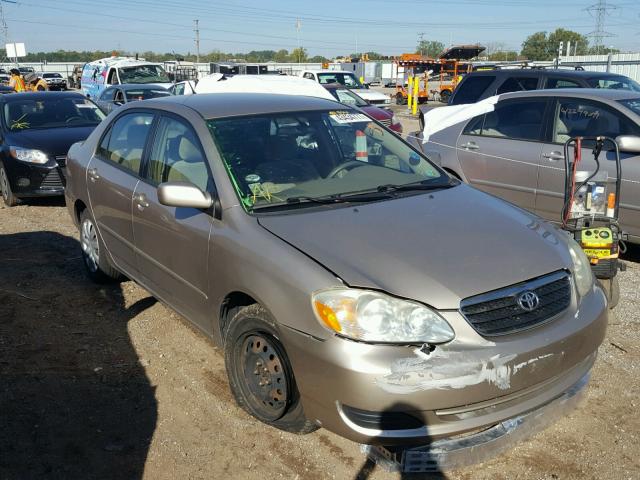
(600, 11)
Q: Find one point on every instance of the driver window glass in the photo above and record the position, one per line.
(581, 118)
(125, 142)
(516, 84)
(113, 77)
(561, 83)
(515, 120)
(176, 156)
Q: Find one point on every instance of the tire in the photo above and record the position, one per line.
(9, 199)
(259, 371)
(444, 96)
(400, 99)
(611, 288)
(95, 261)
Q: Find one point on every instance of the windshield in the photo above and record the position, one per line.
(143, 74)
(347, 97)
(343, 78)
(615, 83)
(632, 104)
(145, 94)
(27, 114)
(282, 159)
(51, 75)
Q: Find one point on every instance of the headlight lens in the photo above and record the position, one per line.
(581, 268)
(375, 317)
(28, 155)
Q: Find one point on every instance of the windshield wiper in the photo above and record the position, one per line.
(363, 197)
(421, 185)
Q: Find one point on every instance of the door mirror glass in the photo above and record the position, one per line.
(183, 194)
(628, 143)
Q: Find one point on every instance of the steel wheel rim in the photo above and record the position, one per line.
(4, 184)
(89, 244)
(264, 376)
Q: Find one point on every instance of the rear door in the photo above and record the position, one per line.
(499, 151)
(173, 243)
(112, 176)
(580, 117)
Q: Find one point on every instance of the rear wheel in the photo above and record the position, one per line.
(260, 375)
(9, 199)
(97, 266)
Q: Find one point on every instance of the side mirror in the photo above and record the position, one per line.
(183, 194)
(628, 143)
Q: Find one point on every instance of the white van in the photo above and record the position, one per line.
(100, 74)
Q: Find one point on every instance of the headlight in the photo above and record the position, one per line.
(581, 268)
(375, 317)
(28, 155)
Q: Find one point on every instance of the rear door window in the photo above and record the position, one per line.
(126, 139)
(518, 84)
(471, 89)
(561, 83)
(518, 120)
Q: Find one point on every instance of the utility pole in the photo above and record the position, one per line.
(420, 40)
(4, 28)
(196, 29)
(600, 11)
(298, 26)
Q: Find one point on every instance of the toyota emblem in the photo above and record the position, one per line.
(528, 301)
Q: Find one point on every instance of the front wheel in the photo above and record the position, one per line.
(611, 288)
(400, 99)
(260, 375)
(9, 199)
(444, 96)
(97, 266)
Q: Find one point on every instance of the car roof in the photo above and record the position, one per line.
(589, 93)
(534, 72)
(221, 105)
(16, 97)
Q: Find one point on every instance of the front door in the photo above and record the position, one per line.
(579, 117)
(172, 244)
(499, 151)
(112, 176)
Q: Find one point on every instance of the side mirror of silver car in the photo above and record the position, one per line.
(183, 194)
(628, 143)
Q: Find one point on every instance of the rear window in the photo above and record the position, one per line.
(471, 89)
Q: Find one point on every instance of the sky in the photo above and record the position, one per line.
(326, 27)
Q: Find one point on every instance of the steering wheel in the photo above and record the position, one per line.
(345, 166)
(73, 119)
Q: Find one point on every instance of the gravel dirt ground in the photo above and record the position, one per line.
(105, 382)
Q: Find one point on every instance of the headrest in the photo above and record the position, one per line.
(188, 151)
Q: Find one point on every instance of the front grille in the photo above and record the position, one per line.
(386, 122)
(499, 313)
(378, 102)
(386, 420)
(52, 180)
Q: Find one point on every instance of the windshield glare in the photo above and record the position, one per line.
(347, 97)
(143, 74)
(632, 104)
(51, 113)
(615, 83)
(275, 158)
(346, 79)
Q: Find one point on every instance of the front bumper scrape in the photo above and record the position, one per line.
(448, 454)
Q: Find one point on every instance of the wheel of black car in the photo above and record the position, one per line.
(444, 96)
(260, 375)
(9, 199)
(96, 264)
(611, 288)
(400, 99)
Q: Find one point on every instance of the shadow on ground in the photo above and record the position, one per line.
(74, 400)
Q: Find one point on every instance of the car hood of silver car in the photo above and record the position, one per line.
(438, 247)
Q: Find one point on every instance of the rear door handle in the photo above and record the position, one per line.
(141, 200)
(470, 146)
(553, 156)
(93, 174)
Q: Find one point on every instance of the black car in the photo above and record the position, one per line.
(479, 85)
(117, 95)
(36, 131)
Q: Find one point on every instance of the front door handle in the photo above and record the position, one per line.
(470, 146)
(141, 201)
(554, 156)
(93, 174)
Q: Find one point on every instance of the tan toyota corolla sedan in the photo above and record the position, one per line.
(352, 283)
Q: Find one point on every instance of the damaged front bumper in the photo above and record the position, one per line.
(447, 454)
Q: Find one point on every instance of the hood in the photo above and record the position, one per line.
(377, 113)
(437, 248)
(53, 141)
(371, 94)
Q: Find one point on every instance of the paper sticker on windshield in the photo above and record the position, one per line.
(344, 116)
